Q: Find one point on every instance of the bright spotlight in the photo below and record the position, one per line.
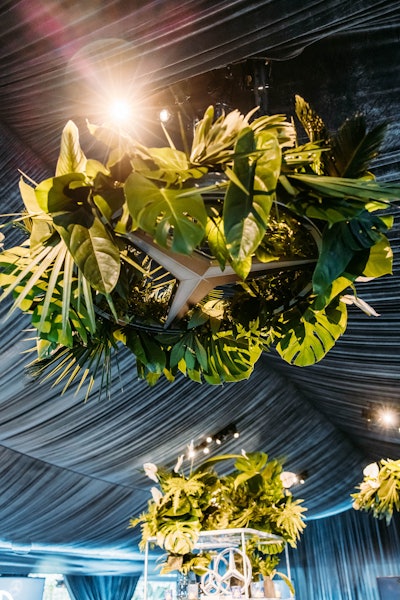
(120, 111)
(388, 417)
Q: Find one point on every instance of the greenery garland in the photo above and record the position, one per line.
(89, 287)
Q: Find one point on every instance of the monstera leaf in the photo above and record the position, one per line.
(173, 220)
(178, 537)
(307, 338)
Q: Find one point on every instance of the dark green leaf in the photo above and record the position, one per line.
(340, 243)
(353, 149)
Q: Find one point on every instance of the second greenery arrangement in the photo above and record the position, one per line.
(252, 495)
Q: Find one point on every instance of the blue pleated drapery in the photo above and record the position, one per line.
(340, 557)
(106, 587)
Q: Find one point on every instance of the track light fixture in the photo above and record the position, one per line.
(222, 436)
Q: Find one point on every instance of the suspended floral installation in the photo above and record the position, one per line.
(379, 492)
(199, 261)
(255, 495)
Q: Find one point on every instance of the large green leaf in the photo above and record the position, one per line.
(308, 337)
(247, 206)
(239, 197)
(268, 168)
(178, 537)
(174, 222)
(71, 158)
(340, 243)
(87, 238)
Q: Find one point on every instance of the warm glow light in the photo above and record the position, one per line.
(206, 450)
(388, 417)
(165, 115)
(120, 111)
(236, 434)
(209, 439)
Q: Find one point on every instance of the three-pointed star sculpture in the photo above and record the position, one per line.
(198, 274)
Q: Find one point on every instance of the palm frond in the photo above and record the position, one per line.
(353, 148)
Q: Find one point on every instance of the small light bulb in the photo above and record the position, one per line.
(218, 441)
(164, 115)
(206, 450)
(236, 434)
(209, 439)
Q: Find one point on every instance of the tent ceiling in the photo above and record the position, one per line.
(70, 471)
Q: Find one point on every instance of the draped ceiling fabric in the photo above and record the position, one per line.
(70, 470)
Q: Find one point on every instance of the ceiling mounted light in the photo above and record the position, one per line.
(387, 417)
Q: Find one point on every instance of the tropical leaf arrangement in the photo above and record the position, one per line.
(244, 193)
(379, 492)
(251, 495)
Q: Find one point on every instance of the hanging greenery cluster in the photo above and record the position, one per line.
(90, 287)
(379, 492)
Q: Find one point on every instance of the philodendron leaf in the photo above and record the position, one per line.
(309, 338)
(91, 246)
(238, 197)
(71, 158)
(88, 240)
(246, 208)
(339, 245)
(175, 222)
